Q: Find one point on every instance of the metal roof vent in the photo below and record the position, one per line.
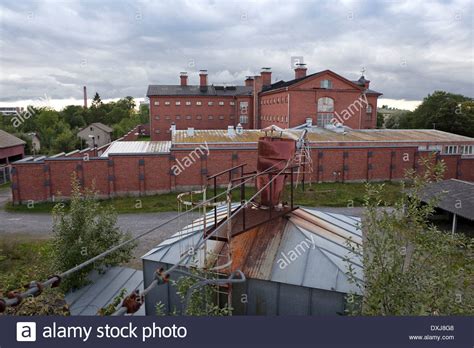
(190, 131)
(309, 122)
(239, 129)
(173, 128)
(230, 131)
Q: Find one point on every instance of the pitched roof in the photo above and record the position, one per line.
(282, 84)
(455, 196)
(9, 140)
(177, 90)
(102, 126)
(258, 252)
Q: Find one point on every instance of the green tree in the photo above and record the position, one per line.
(411, 267)
(96, 102)
(83, 231)
(444, 111)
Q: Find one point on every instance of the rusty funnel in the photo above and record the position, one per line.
(274, 152)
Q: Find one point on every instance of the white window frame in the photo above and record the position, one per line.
(167, 103)
(327, 84)
(221, 103)
(244, 119)
(451, 149)
(199, 103)
(467, 149)
(210, 103)
(232, 103)
(188, 102)
(177, 103)
(156, 103)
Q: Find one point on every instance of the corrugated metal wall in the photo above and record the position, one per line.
(254, 297)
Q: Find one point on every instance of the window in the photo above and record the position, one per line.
(451, 149)
(198, 117)
(167, 103)
(368, 112)
(325, 104)
(188, 103)
(168, 118)
(91, 128)
(210, 103)
(244, 119)
(324, 119)
(231, 117)
(198, 103)
(325, 84)
(157, 103)
(188, 117)
(178, 103)
(157, 118)
(466, 149)
(232, 103)
(210, 117)
(221, 117)
(325, 111)
(178, 117)
(157, 131)
(98, 137)
(221, 103)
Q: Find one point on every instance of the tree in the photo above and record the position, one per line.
(411, 267)
(83, 231)
(441, 110)
(380, 120)
(96, 102)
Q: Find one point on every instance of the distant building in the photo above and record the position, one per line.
(96, 134)
(323, 97)
(11, 148)
(11, 110)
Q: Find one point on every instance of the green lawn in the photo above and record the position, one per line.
(5, 185)
(325, 194)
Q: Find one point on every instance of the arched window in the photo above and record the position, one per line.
(325, 111)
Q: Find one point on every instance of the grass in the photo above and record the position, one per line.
(4, 185)
(323, 195)
(22, 260)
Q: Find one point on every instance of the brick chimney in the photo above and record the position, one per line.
(203, 78)
(249, 81)
(300, 70)
(266, 76)
(85, 97)
(184, 78)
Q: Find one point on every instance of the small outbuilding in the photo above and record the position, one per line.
(294, 264)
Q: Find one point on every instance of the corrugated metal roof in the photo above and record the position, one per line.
(317, 134)
(103, 289)
(307, 249)
(137, 147)
(222, 136)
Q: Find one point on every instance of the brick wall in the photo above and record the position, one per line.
(150, 174)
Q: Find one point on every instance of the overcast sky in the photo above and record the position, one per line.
(117, 48)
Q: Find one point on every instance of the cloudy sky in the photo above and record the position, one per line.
(53, 48)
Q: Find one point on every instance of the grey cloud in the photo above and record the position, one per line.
(118, 47)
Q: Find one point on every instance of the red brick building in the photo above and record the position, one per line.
(144, 168)
(322, 97)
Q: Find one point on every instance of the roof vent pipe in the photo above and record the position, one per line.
(173, 128)
(309, 122)
(230, 131)
(239, 129)
(190, 131)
